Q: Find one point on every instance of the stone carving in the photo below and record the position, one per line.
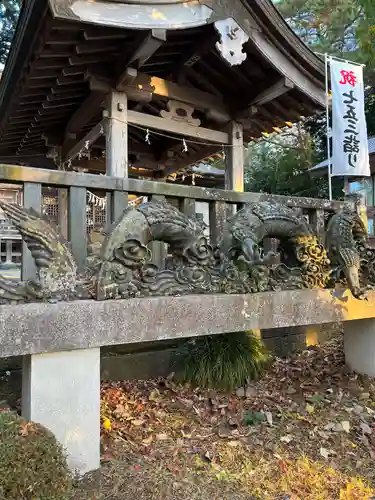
(232, 40)
(347, 245)
(119, 265)
(304, 260)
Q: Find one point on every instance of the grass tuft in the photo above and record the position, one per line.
(223, 361)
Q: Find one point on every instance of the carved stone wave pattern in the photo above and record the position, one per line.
(120, 266)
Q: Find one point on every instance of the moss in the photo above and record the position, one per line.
(32, 464)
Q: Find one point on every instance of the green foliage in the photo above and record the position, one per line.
(32, 463)
(223, 361)
(342, 28)
(9, 11)
(280, 165)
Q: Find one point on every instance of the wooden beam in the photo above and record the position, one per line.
(86, 142)
(194, 54)
(178, 128)
(281, 87)
(147, 47)
(152, 85)
(85, 112)
(177, 164)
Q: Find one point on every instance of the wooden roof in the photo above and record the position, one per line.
(60, 66)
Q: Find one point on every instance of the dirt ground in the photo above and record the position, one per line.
(305, 431)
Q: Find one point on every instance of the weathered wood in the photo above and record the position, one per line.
(158, 248)
(84, 144)
(32, 198)
(234, 159)
(187, 206)
(178, 128)
(145, 86)
(128, 76)
(18, 174)
(176, 164)
(77, 225)
(281, 87)
(317, 221)
(153, 40)
(117, 135)
(63, 211)
(218, 215)
(117, 201)
(85, 112)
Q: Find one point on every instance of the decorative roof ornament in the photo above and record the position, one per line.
(232, 40)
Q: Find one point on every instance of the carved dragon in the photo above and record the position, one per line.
(121, 265)
(345, 232)
(56, 269)
(304, 262)
(247, 228)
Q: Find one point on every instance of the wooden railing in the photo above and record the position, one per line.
(220, 202)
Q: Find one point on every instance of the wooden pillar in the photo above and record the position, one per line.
(117, 135)
(8, 249)
(234, 159)
(62, 197)
(158, 248)
(116, 150)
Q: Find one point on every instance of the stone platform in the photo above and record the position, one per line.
(61, 356)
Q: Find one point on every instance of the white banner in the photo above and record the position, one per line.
(349, 131)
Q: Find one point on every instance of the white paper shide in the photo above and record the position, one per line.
(349, 132)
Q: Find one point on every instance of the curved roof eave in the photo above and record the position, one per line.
(31, 15)
(292, 41)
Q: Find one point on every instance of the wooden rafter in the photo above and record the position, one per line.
(178, 164)
(147, 47)
(143, 87)
(85, 142)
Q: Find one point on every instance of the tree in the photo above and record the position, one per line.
(9, 11)
(344, 28)
(280, 165)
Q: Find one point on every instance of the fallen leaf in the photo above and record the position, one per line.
(240, 392)
(162, 436)
(25, 428)
(154, 396)
(329, 427)
(268, 415)
(286, 439)
(283, 466)
(310, 408)
(366, 429)
(107, 424)
(148, 440)
(346, 426)
(137, 422)
(364, 395)
(291, 390)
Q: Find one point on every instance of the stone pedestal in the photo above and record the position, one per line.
(359, 346)
(61, 391)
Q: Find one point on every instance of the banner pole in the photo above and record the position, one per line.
(328, 129)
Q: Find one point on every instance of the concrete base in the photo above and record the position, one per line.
(61, 391)
(359, 346)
